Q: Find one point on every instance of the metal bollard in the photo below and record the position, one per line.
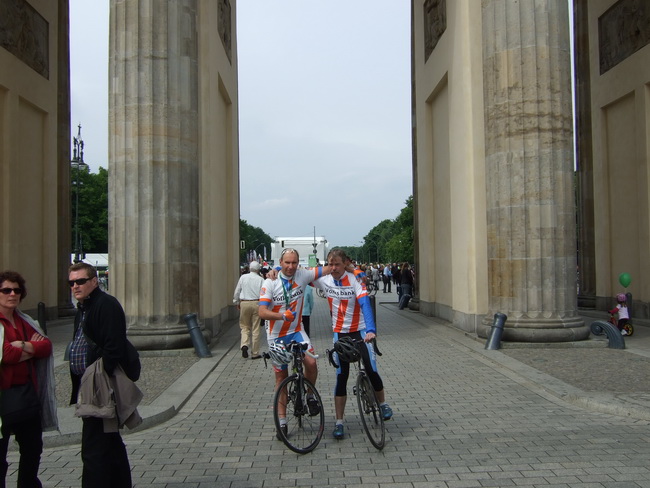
(614, 336)
(198, 340)
(494, 340)
(42, 317)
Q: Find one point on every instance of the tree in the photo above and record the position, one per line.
(255, 239)
(391, 241)
(93, 209)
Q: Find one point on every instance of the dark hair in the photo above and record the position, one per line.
(338, 253)
(16, 278)
(90, 269)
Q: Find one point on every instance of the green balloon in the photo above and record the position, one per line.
(625, 279)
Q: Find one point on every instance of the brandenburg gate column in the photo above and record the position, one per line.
(531, 228)
(153, 170)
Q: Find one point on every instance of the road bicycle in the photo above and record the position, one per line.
(371, 416)
(304, 429)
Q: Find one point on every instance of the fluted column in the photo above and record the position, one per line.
(153, 170)
(529, 158)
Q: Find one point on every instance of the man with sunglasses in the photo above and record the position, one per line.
(99, 330)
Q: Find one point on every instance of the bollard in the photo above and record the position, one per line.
(198, 340)
(614, 336)
(494, 340)
(42, 317)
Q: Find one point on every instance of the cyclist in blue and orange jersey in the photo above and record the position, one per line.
(352, 316)
(281, 303)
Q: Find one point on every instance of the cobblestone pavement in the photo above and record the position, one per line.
(461, 420)
(594, 370)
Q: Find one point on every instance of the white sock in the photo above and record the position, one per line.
(339, 421)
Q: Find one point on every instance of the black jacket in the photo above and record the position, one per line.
(406, 277)
(105, 325)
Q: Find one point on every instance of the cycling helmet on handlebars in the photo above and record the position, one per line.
(279, 353)
(347, 350)
(621, 298)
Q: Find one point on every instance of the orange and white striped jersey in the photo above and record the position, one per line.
(276, 293)
(346, 297)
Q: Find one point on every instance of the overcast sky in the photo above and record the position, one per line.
(324, 110)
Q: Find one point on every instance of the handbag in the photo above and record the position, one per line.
(19, 403)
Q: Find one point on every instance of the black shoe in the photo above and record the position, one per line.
(313, 406)
(244, 351)
(256, 357)
(284, 431)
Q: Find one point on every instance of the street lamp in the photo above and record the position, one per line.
(78, 164)
(257, 247)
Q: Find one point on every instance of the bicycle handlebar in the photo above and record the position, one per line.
(357, 343)
(292, 347)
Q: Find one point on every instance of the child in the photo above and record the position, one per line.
(622, 311)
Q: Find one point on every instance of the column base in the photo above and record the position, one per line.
(163, 337)
(538, 330)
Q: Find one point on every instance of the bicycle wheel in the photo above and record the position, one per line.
(373, 422)
(304, 431)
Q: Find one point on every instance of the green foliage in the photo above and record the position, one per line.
(93, 209)
(390, 241)
(255, 239)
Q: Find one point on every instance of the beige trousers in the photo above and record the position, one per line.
(249, 323)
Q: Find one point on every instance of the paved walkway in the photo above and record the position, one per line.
(464, 417)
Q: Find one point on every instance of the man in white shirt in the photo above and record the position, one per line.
(246, 297)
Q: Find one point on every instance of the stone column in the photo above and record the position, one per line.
(529, 162)
(153, 170)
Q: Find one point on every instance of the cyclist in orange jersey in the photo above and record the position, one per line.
(352, 316)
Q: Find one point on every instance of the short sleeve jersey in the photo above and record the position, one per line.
(342, 296)
(276, 293)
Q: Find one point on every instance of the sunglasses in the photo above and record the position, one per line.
(7, 291)
(80, 281)
(288, 250)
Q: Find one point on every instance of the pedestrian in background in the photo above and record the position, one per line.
(387, 277)
(406, 285)
(375, 275)
(307, 306)
(246, 297)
